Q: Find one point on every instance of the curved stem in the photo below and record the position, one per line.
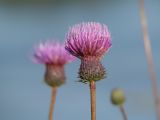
(148, 51)
(93, 99)
(124, 114)
(53, 99)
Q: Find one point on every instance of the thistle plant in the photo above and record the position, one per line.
(89, 42)
(54, 56)
(118, 99)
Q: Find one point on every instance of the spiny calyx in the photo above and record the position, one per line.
(91, 69)
(54, 75)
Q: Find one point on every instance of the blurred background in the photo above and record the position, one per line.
(24, 23)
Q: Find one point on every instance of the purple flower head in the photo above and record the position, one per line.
(88, 39)
(51, 53)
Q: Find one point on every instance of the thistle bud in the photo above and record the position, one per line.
(117, 97)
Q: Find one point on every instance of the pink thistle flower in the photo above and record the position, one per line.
(88, 39)
(54, 56)
(52, 53)
(89, 42)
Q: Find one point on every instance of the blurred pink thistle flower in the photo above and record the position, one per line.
(54, 56)
(52, 53)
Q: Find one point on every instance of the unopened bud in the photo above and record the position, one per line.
(117, 97)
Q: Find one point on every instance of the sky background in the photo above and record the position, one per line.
(23, 24)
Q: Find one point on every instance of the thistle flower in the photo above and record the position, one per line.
(88, 39)
(89, 42)
(52, 53)
(54, 56)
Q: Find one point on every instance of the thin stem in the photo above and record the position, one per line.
(124, 114)
(93, 99)
(148, 51)
(53, 99)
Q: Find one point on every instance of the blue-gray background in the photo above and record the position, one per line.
(24, 95)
